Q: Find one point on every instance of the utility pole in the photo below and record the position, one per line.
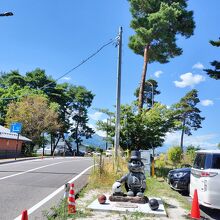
(118, 94)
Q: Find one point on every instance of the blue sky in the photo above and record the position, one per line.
(58, 35)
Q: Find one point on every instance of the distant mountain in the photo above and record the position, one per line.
(95, 141)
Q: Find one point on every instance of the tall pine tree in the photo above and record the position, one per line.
(214, 73)
(156, 24)
(188, 114)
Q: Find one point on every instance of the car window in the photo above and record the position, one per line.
(203, 161)
(216, 161)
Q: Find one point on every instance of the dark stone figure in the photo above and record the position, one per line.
(135, 180)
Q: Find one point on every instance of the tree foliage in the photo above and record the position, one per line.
(214, 73)
(142, 131)
(175, 154)
(81, 100)
(36, 115)
(67, 99)
(156, 24)
(150, 91)
(188, 114)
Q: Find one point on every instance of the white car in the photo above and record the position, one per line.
(205, 177)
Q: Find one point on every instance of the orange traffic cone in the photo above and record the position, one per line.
(195, 211)
(24, 215)
(71, 200)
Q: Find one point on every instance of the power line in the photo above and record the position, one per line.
(69, 71)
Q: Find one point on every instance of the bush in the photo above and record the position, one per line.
(190, 154)
(175, 155)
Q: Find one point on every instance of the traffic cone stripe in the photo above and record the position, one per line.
(71, 192)
(71, 200)
(72, 203)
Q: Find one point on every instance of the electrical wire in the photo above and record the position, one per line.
(112, 41)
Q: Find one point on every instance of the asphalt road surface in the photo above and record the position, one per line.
(37, 185)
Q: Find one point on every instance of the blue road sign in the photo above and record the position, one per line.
(16, 127)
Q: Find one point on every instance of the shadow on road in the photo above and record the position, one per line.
(213, 213)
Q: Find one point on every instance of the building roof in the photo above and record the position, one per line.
(6, 134)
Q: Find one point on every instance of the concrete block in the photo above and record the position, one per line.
(123, 207)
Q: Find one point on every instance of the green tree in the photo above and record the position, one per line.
(13, 77)
(81, 101)
(14, 87)
(218, 146)
(156, 24)
(36, 115)
(150, 90)
(188, 114)
(13, 93)
(108, 126)
(214, 73)
(142, 131)
(175, 155)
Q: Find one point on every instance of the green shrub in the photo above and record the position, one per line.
(190, 154)
(175, 155)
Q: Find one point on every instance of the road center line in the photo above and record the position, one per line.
(46, 199)
(28, 171)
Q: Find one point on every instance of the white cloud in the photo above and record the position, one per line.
(96, 116)
(203, 141)
(207, 102)
(158, 73)
(198, 65)
(100, 133)
(66, 78)
(188, 79)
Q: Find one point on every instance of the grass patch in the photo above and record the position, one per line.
(105, 173)
(61, 213)
(157, 188)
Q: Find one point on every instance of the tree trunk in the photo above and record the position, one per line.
(77, 143)
(182, 134)
(143, 77)
(55, 145)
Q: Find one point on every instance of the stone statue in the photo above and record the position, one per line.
(135, 180)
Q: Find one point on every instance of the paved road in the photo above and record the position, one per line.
(37, 185)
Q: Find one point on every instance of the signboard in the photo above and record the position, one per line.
(16, 127)
(145, 157)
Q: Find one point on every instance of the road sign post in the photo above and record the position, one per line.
(16, 128)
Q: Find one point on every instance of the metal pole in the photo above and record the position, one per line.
(118, 93)
(106, 143)
(16, 147)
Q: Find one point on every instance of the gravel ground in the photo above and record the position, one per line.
(173, 208)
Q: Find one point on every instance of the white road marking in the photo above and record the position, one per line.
(28, 171)
(46, 199)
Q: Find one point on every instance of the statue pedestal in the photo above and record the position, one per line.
(125, 198)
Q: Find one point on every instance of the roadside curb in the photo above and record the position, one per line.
(5, 161)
